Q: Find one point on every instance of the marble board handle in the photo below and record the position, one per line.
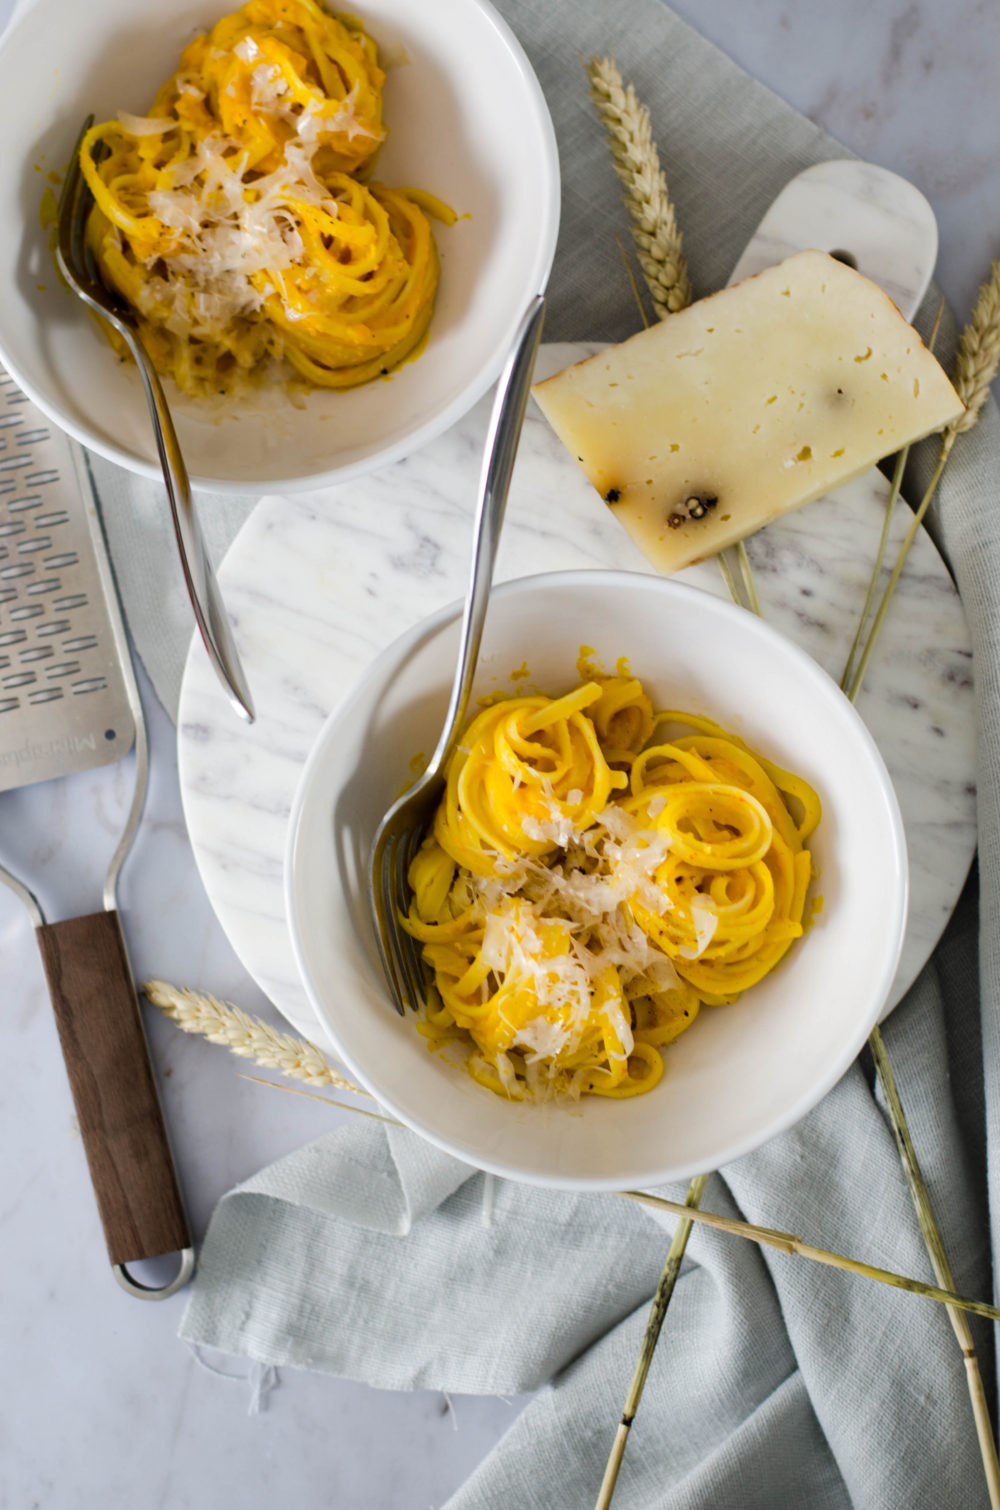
(861, 214)
(104, 1046)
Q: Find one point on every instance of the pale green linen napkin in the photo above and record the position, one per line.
(367, 1255)
(776, 1381)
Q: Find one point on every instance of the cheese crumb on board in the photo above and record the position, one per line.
(747, 404)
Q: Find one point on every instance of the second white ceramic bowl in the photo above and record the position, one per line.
(741, 1073)
(467, 121)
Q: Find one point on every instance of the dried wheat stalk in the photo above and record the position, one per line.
(637, 164)
(221, 1022)
(787, 1242)
(976, 366)
(847, 676)
(657, 1313)
(979, 352)
(344, 1106)
(931, 1234)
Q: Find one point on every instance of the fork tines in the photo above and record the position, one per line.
(393, 853)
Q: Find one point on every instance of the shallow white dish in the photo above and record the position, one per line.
(741, 1074)
(467, 121)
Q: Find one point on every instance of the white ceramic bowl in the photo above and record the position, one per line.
(741, 1073)
(466, 120)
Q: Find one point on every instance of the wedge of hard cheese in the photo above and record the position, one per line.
(747, 404)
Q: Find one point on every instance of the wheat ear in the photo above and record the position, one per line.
(654, 229)
(249, 1037)
(978, 357)
(637, 164)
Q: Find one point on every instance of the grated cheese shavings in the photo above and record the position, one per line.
(554, 927)
(146, 125)
(233, 232)
(706, 921)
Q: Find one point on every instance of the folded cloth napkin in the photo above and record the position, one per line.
(367, 1254)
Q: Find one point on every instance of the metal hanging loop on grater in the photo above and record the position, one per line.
(69, 703)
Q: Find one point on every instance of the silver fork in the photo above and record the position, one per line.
(401, 831)
(77, 265)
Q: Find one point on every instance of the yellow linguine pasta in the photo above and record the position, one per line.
(587, 887)
(235, 218)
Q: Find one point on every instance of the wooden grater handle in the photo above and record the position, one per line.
(103, 1043)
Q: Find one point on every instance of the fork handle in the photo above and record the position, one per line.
(504, 434)
(199, 576)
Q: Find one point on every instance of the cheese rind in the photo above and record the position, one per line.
(747, 404)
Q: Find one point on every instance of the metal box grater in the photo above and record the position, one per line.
(64, 703)
(69, 703)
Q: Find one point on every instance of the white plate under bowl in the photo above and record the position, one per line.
(467, 121)
(742, 1073)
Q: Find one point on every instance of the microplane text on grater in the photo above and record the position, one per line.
(64, 704)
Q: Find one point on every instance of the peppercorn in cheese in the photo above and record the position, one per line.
(747, 404)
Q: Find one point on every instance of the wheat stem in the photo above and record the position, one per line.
(658, 1311)
(633, 284)
(344, 1106)
(883, 542)
(976, 366)
(746, 573)
(739, 582)
(972, 383)
(890, 504)
(939, 1261)
(787, 1242)
(637, 164)
(854, 688)
(729, 578)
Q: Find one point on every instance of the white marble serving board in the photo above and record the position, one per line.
(318, 585)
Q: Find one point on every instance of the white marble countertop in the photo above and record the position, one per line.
(100, 1404)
